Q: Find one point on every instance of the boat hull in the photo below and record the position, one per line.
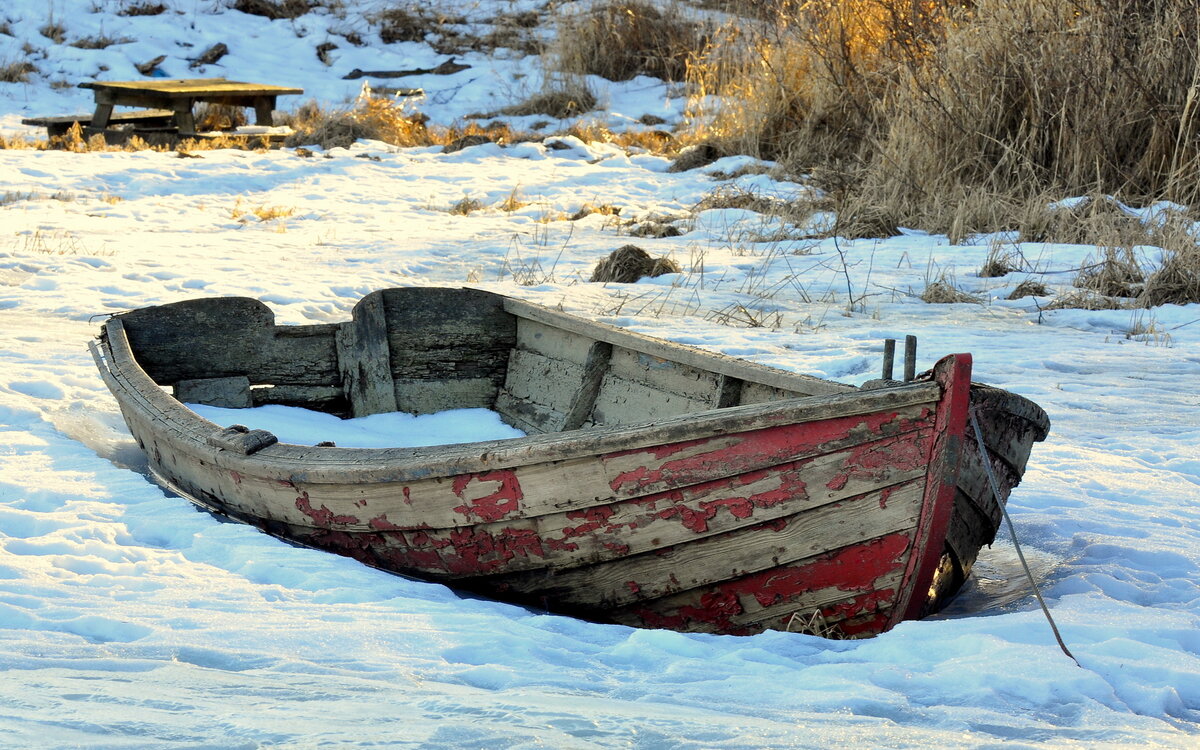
(833, 514)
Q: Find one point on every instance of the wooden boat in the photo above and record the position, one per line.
(659, 485)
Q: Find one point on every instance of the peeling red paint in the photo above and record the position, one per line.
(322, 517)
(767, 446)
(953, 374)
(853, 569)
(407, 495)
(492, 507)
(884, 496)
(873, 461)
(381, 523)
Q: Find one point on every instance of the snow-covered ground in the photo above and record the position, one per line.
(130, 619)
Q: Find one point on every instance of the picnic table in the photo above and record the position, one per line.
(166, 103)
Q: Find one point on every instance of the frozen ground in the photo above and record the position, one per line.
(129, 619)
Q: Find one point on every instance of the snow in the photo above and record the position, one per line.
(293, 424)
(130, 619)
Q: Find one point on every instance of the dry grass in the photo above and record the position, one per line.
(54, 31)
(375, 119)
(1176, 281)
(1002, 259)
(413, 22)
(944, 292)
(465, 206)
(100, 41)
(16, 72)
(1116, 273)
(622, 39)
(213, 117)
(1086, 300)
(952, 116)
(262, 212)
(562, 100)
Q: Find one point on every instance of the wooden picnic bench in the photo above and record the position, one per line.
(148, 118)
(166, 104)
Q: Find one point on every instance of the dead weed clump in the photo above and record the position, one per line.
(16, 72)
(628, 263)
(944, 292)
(374, 119)
(1029, 288)
(1117, 273)
(622, 39)
(1176, 281)
(562, 101)
(1086, 300)
(142, 9)
(413, 23)
(274, 9)
(213, 117)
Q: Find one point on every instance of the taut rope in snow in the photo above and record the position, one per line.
(987, 468)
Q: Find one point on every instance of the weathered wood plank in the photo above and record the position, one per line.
(584, 401)
(326, 398)
(728, 392)
(542, 381)
(364, 359)
(770, 599)
(431, 395)
(241, 440)
(228, 336)
(728, 556)
(437, 336)
(757, 393)
(532, 419)
(801, 385)
(230, 393)
(552, 342)
(576, 538)
(541, 488)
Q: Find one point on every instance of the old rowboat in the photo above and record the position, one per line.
(659, 485)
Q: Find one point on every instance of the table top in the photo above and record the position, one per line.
(190, 87)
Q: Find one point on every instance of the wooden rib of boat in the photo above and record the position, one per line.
(659, 485)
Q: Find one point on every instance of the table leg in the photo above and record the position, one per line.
(101, 115)
(184, 121)
(264, 106)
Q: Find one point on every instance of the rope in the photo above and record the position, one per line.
(987, 467)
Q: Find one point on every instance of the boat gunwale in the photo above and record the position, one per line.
(135, 389)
